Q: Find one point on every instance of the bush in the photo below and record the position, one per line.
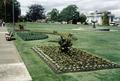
(21, 27)
(65, 44)
(28, 36)
(55, 32)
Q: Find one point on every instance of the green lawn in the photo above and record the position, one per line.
(103, 44)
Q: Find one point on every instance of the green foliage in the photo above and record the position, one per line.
(6, 9)
(65, 44)
(103, 44)
(69, 13)
(22, 18)
(105, 18)
(76, 18)
(21, 27)
(28, 36)
(54, 15)
(83, 19)
(1, 3)
(55, 32)
(35, 12)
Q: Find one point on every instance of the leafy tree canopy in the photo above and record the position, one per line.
(35, 12)
(83, 18)
(6, 10)
(105, 18)
(54, 14)
(69, 13)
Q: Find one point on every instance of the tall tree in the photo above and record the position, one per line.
(6, 8)
(54, 14)
(82, 18)
(35, 12)
(76, 18)
(0, 7)
(70, 13)
(105, 18)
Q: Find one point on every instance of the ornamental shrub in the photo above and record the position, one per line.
(65, 44)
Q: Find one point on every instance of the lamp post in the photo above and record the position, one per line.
(13, 9)
(5, 9)
(94, 21)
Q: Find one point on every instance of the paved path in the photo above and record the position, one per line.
(12, 67)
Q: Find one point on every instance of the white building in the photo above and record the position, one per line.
(116, 20)
(97, 16)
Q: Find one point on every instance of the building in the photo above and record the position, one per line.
(116, 20)
(97, 16)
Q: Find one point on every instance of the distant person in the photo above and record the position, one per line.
(3, 24)
(0, 22)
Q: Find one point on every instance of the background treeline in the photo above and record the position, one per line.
(6, 10)
(70, 14)
(36, 12)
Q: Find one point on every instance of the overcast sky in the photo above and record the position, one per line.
(84, 5)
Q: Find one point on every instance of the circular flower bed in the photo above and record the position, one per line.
(28, 36)
(76, 61)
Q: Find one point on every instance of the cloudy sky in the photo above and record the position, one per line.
(84, 5)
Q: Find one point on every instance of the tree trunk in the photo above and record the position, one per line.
(74, 21)
(67, 22)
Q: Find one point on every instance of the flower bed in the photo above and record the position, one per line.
(76, 61)
(28, 36)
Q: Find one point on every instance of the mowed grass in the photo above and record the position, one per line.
(103, 44)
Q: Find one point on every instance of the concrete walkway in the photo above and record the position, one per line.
(12, 67)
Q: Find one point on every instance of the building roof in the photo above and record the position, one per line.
(98, 14)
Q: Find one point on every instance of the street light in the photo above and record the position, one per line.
(5, 9)
(13, 9)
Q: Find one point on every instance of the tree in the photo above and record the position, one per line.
(22, 18)
(76, 18)
(35, 12)
(54, 14)
(1, 8)
(82, 18)
(6, 10)
(105, 18)
(70, 13)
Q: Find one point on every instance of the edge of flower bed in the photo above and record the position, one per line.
(54, 66)
(59, 69)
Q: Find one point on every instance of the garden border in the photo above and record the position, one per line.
(58, 69)
(54, 66)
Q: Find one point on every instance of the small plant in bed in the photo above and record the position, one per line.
(28, 36)
(64, 58)
(65, 45)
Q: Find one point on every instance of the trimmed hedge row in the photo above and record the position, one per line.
(28, 36)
